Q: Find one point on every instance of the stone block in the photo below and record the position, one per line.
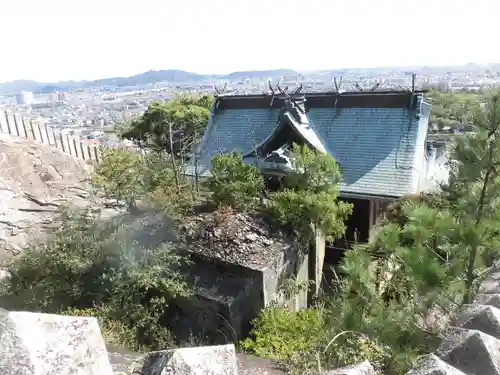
(362, 368)
(46, 344)
(203, 360)
(491, 285)
(471, 351)
(238, 266)
(432, 365)
(481, 318)
(252, 365)
(229, 296)
(488, 299)
(121, 359)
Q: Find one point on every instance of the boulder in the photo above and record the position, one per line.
(492, 284)
(252, 365)
(481, 318)
(47, 344)
(362, 368)
(202, 360)
(488, 299)
(471, 351)
(432, 365)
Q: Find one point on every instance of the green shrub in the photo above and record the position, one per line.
(234, 183)
(306, 341)
(84, 265)
(284, 336)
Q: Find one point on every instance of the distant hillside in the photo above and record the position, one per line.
(152, 76)
(17, 86)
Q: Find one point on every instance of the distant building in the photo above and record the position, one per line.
(58, 97)
(25, 98)
(54, 97)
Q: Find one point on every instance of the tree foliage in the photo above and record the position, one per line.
(451, 109)
(234, 183)
(119, 175)
(129, 177)
(474, 185)
(309, 201)
(179, 122)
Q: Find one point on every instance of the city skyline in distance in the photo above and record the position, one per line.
(58, 41)
(181, 76)
(283, 70)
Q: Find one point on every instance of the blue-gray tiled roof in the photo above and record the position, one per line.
(381, 149)
(237, 130)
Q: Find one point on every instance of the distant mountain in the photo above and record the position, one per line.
(17, 86)
(152, 76)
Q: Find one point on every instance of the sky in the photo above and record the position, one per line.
(53, 40)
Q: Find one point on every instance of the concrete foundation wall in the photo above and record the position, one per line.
(228, 296)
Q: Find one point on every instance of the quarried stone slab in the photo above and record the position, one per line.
(46, 344)
(481, 318)
(202, 360)
(491, 285)
(362, 368)
(472, 352)
(488, 299)
(432, 365)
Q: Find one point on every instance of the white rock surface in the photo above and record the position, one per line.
(202, 360)
(483, 318)
(471, 351)
(362, 368)
(488, 299)
(35, 180)
(432, 365)
(46, 344)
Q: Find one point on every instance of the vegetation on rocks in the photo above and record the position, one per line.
(392, 298)
(86, 268)
(397, 292)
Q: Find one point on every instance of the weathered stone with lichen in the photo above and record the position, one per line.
(430, 364)
(46, 344)
(482, 318)
(471, 351)
(202, 360)
(488, 299)
(362, 368)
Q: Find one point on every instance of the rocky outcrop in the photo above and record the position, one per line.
(35, 180)
(472, 345)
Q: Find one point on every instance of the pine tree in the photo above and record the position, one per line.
(474, 187)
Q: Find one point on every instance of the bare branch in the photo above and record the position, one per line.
(338, 84)
(375, 87)
(359, 87)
